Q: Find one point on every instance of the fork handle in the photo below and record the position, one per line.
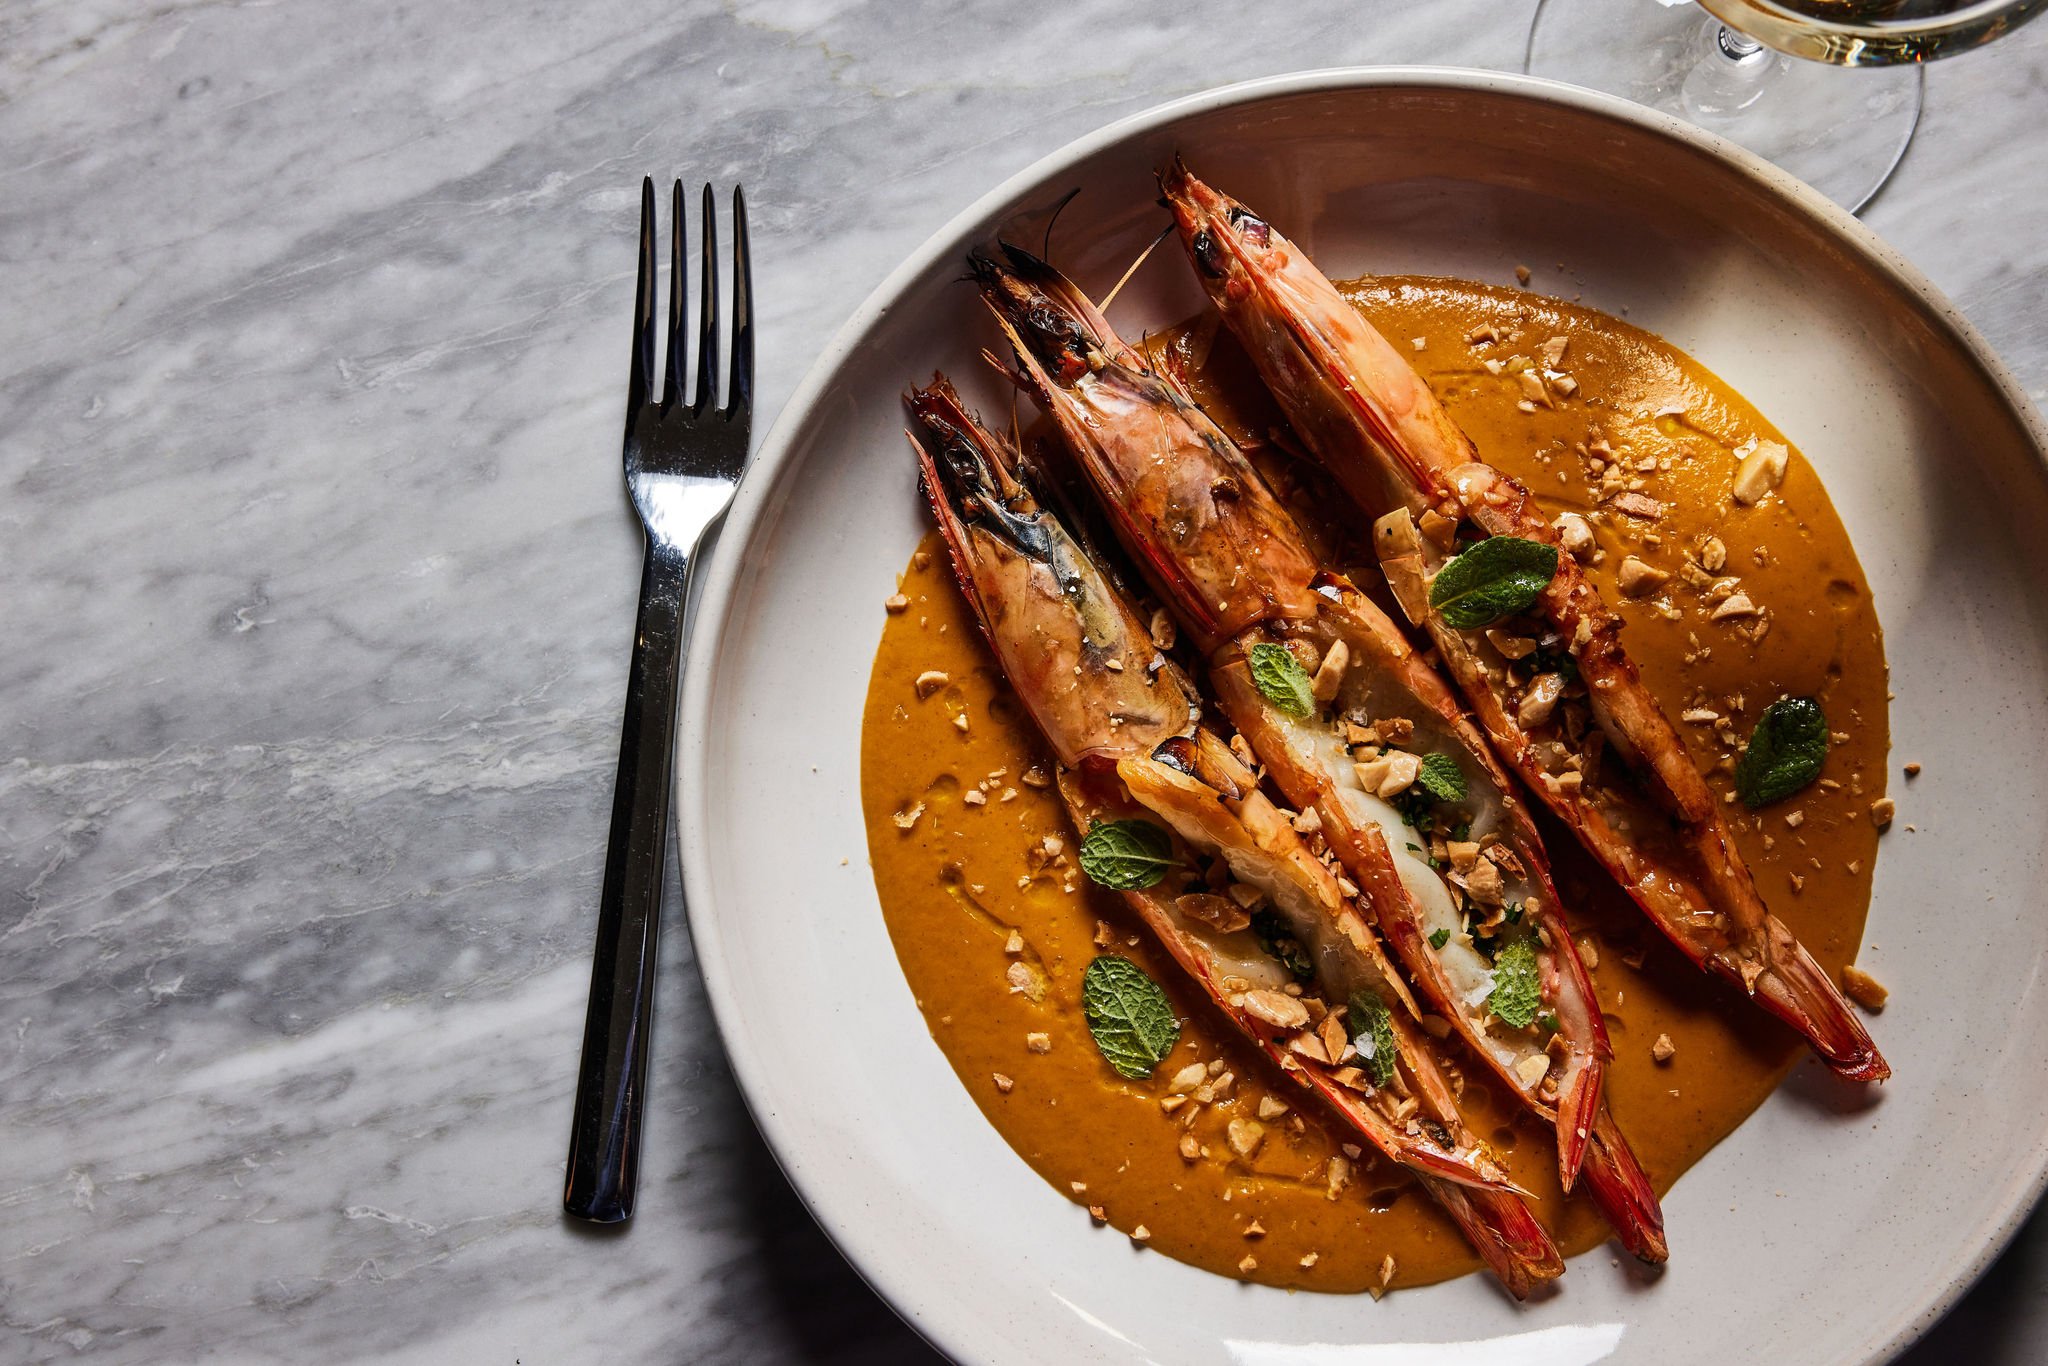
(611, 1085)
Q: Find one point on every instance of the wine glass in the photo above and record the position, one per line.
(1728, 66)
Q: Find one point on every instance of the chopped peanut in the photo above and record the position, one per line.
(1575, 534)
(1663, 1049)
(896, 602)
(1637, 579)
(1760, 471)
(1245, 1136)
(1280, 1011)
(1881, 812)
(930, 681)
(1863, 989)
(1003, 1083)
(1038, 1043)
(1390, 774)
(1330, 673)
(1733, 606)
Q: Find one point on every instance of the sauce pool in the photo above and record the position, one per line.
(973, 866)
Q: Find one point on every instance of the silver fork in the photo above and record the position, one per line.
(683, 461)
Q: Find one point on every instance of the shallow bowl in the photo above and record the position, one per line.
(1832, 1226)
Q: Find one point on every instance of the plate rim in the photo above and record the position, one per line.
(713, 612)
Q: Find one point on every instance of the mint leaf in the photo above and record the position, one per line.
(1442, 778)
(1496, 578)
(1278, 675)
(1276, 937)
(1786, 751)
(1126, 855)
(1128, 1013)
(1439, 939)
(1372, 1034)
(1516, 993)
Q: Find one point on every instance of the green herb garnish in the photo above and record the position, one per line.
(1517, 995)
(1786, 751)
(1440, 938)
(1441, 778)
(1126, 855)
(1128, 1013)
(1496, 578)
(1553, 662)
(1277, 939)
(1549, 1022)
(1279, 675)
(1512, 912)
(1372, 1034)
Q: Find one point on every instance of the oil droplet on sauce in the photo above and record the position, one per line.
(972, 869)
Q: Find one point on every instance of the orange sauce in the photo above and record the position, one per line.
(957, 883)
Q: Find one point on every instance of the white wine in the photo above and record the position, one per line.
(1874, 32)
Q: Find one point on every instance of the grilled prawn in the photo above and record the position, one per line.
(1552, 686)
(1389, 777)
(1123, 722)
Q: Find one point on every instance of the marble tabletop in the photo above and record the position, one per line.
(316, 585)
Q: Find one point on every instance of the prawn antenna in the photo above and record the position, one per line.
(1118, 287)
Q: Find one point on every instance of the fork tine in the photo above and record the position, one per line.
(739, 390)
(678, 298)
(642, 378)
(707, 312)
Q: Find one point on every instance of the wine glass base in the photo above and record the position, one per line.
(1840, 130)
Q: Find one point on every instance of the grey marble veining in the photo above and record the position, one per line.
(316, 582)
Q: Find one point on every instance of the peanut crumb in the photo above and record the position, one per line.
(1245, 1136)
(1522, 274)
(1190, 1148)
(1255, 1229)
(1794, 819)
(1663, 1049)
(896, 602)
(1249, 1264)
(1863, 989)
(930, 681)
(1419, 343)
(1881, 812)
(1097, 1213)
(1023, 981)
(974, 796)
(907, 817)
(1003, 1083)
(1386, 1277)
(1309, 1259)
(1015, 943)
(1038, 1043)
(1912, 770)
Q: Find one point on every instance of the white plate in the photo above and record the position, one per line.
(1826, 1229)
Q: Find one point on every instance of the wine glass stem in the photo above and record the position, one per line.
(1736, 47)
